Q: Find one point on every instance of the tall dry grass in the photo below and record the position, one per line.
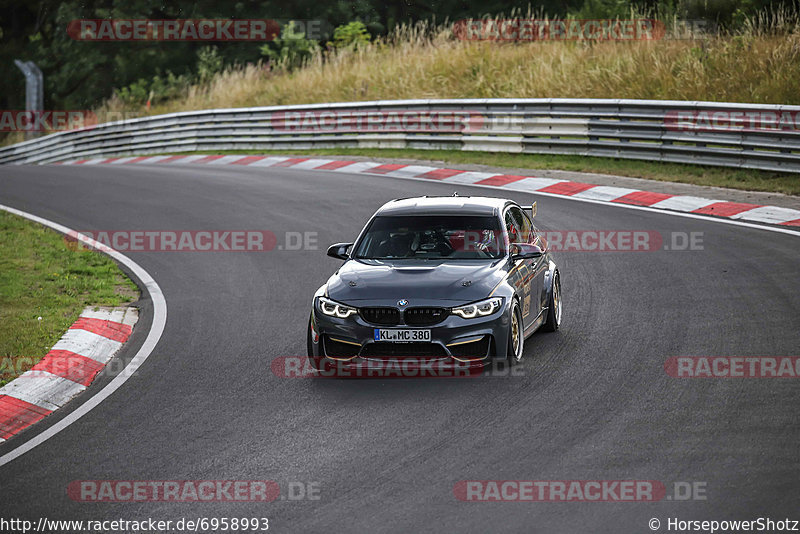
(760, 65)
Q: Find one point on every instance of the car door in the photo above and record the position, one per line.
(522, 273)
(538, 267)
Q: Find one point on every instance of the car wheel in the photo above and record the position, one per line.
(309, 344)
(315, 361)
(516, 337)
(554, 306)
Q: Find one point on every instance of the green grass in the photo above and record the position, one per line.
(749, 180)
(44, 285)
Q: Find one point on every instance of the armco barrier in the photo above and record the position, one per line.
(748, 136)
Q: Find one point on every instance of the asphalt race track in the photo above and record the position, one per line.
(595, 402)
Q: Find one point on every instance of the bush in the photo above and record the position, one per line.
(159, 88)
(352, 35)
(291, 50)
(209, 63)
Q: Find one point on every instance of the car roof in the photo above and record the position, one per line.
(444, 206)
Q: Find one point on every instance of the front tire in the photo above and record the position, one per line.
(315, 361)
(309, 343)
(554, 306)
(516, 337)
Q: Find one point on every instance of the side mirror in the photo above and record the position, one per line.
(524, 251)
(340, 251)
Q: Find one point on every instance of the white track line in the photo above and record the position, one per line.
(156, 330)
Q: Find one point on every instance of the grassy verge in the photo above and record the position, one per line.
(749, 180)
(44, 285)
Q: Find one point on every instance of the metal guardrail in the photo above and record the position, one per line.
(747, 136)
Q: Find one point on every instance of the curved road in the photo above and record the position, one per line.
(594, 402)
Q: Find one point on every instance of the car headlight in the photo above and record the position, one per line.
(334, 309)
(479, 309)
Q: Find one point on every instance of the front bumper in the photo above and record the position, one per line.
(349, 343)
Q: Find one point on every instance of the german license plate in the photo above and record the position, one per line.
(404, 335)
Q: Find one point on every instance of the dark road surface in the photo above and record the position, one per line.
(594, 403)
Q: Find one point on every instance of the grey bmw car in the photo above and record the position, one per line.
(460, 280)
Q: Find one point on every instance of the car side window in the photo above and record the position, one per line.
(515, 225)
(528, 234)
(523, 231)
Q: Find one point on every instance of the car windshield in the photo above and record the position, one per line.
(460, 237)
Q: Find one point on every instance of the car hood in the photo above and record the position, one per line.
(418, 281)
